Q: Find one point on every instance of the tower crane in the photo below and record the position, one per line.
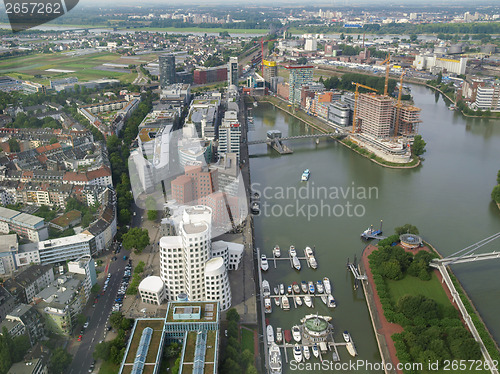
(387, 63)
(356, 94)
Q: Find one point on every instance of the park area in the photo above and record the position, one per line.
(40, 68)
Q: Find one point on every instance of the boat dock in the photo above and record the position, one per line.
(332, 346)
(355, 272)
(288, 258)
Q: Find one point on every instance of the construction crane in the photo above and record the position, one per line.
(356, 94)
(387, 61)
(262, 41)
(398, 106)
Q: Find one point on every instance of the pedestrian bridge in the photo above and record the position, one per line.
(324, 135)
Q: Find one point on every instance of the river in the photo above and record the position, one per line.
(447, 198)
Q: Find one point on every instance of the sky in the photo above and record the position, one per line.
(284, 2)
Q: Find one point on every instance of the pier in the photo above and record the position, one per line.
(355, 272)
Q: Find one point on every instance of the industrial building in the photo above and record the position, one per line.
(436, 64)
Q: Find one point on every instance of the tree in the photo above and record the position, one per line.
(252, 370)
(419, 144)
(53, 140)
(247, 358)
(439, 78)
(59, 361)
(302, 61)
(406, 229)
(136, 238)
(14, 145)
(413, 37)
(102, 351)
(495, 194)
(80, 318)
(233, 315)
(152, 215)
(232, 329)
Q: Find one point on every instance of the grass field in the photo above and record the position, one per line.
(247, 340)
(108, 368)
(27, 67)
(414, 286)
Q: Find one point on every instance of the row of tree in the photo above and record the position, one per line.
(113, 351)
(432, 332)
(234, 358)
(346, 82)
(495, 194)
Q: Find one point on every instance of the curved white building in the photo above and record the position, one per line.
(152, 290)
(172, 265)
(217, 283)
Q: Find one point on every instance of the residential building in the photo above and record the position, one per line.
(210, 75)
(488, 97)
(8, 250)
(299, 75)
(232, 71)
(26, 284)
(85, 266)
(217, 282)
(167, 70)
(152, 290)
(230, 252)
(375, 115)
(270, 71)
(7, 303)
(66, 248)
(35, 366)
(25, 225)
(24, 320)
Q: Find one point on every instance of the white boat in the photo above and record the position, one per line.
(305, 175)
(296, 333)
(277, 301)
(282, 289)
(266, 290)
(267, 305)
(311, 287)
(335, 356)
(279, 335)
(331, 301)
(307, 353)
(297, 353)
(308, 252)
(298, 300)
(289, 289)
(324, 299)
(303, 286)
(347, 336)
(315, 350)
(285, 304)
(327, 285)
(276, 251)
(296, 287)
(296, 262)
(264, 265)
(312, 262)
(319, 286)
(351, 349)
(292, 251)
(276, 290)
(270, 334)
(308, 301)
(275, 359)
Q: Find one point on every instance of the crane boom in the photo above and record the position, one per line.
(398, 107)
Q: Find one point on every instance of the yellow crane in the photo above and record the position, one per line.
(398, 106)
(387, 63)
(356, 94)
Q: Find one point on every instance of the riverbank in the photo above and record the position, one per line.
(325, 128)
(385, 330)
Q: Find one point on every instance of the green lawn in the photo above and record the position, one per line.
(247, 340)
(414, 286)
(108, 368)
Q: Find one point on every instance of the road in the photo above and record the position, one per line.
(98, 317)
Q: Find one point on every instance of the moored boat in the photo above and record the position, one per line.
(315, 350)
(266, 291)
(297, 353)
(276, 290)
(351, 349)
(285, 304)
(296, 262)
(307, 353)
(267, 305)
(289, 289)
(276, 251)
(308, 252)
(275, 359)
(347, 336)
(282, 288)
(264, 265)
(298, 300)
(335, 356)
(277, 301)
(292, 251)
(296, 287)
(311, 287)
(327, 285)
(270, 334)
(324, 299)
(279, 335)
(296, 333)
(319, 286)
(308, 301)
(288, 336)
(312, 262)
(303, 286)
(331, 301)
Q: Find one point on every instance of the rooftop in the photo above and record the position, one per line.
(66, 219)
(209, 310)
(152, 284)
(68, 240)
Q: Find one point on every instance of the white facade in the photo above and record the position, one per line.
(85, 266)
(488, 98)
(217, 283)
(67, 248)
(172, 265)
(152, 290)
(230, 134)
(230, 252)
(311, 45)
(431, 62)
